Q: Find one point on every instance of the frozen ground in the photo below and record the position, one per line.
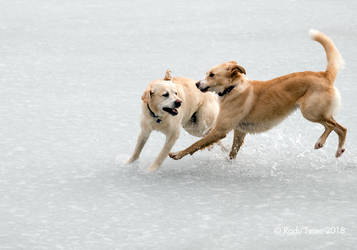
(71, 77)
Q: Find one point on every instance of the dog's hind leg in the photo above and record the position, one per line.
(169, 143)
(238, 139)
(316, 109)
(341, 132)
(142, 139)
(329, 127)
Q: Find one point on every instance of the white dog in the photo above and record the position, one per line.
(169, 104)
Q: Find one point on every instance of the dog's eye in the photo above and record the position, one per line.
(175, 93)
(166, 95)
(211, 75)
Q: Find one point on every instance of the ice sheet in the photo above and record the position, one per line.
(71, 77)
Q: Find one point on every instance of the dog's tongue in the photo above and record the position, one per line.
(171, 111)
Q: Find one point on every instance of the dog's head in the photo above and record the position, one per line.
(162, 97)
(221, 77)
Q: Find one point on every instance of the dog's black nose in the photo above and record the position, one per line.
(198, 84)
(178, 103)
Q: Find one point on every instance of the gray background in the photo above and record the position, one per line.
(71, 77)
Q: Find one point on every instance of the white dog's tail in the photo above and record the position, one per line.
(334, 58)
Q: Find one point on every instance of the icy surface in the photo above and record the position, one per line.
(71, 77)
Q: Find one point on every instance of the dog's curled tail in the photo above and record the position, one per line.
(334, 58)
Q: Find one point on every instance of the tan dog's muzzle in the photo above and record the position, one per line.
(201, 85)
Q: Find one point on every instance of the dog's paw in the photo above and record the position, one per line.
(176, 155)
(153, 168)
(339, 152)
(319, 145)
(232, 155)
(131, 160)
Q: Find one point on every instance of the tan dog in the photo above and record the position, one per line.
(170, 104)
(249, 106)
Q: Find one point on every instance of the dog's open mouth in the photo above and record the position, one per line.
(205, 89)
(171, 111)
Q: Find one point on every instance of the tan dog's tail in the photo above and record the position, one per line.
(334, 58)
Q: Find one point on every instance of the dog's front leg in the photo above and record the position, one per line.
(213, 136)
(169, 143)
(142, 139)
(238, 140)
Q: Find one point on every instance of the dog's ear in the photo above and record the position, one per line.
(168, 76)
(235, 69)
(146, 95)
